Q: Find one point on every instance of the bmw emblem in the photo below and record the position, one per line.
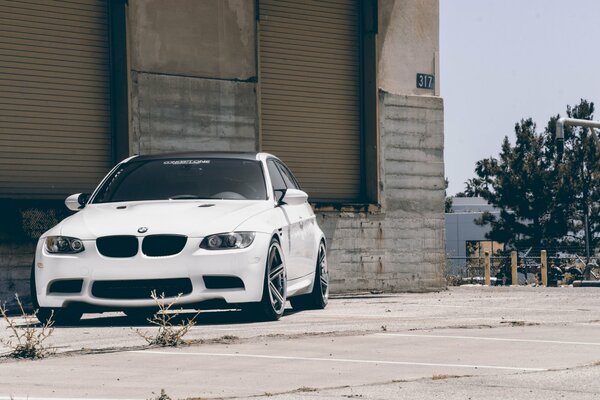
(143, 229)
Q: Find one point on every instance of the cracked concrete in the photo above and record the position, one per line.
(468, 342)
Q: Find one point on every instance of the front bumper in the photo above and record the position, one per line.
(192, 262)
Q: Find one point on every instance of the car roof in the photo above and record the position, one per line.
(203, 154)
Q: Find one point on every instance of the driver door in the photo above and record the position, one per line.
(293, 229)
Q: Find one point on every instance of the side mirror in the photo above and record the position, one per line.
(76, 202)
(294, 197)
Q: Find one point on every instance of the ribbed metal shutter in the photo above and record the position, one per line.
(309, 91)
(54, 97)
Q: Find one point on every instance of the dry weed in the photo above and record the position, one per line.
(26, 340)
(162, 396)
(167, 334)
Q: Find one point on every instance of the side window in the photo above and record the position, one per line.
(288, 177)
(276, 179)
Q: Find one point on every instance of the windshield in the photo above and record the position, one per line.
(182, 179)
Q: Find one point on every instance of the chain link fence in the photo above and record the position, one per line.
(561, 270)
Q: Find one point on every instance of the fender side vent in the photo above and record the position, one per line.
(66, 286)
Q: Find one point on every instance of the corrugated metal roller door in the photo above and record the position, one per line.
(309, 90)
(54, 96)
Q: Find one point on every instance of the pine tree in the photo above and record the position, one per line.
(544, 197)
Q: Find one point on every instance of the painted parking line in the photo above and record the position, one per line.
(497, 339)
(335, 360)
(391, 316)
(503, 308)
(59, 398)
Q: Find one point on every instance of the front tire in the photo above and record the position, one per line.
(274, 296)
(319, 297)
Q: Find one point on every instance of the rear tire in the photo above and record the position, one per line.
(272, 304)
(318, 298)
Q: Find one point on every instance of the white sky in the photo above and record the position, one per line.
(503, 60)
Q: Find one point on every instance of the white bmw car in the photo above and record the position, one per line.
(222, 230)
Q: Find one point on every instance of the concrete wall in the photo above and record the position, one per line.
(400, 246)
(15, 267)
(207, 39)
(172, 113)
(407, 44)
(193, 75)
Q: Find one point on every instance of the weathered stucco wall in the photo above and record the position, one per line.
(193, 75)
(208, 38)
(174, 113)
(407, 44)
(400, 247)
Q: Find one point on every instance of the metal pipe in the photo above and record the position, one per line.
(561, 122)
(560, 136)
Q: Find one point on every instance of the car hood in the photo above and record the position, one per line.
(182, 217)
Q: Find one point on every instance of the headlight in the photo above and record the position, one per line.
(63, 245)
(233, 240)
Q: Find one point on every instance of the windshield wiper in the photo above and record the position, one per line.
(186, 197)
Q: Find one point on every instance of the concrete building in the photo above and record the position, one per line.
(329, 86)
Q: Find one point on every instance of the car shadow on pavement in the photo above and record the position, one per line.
(117, 319)
(203, 318)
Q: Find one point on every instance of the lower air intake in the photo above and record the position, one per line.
(141, 288)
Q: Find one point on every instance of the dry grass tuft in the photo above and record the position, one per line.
(168, 335)
(162, 396)
(26, 341)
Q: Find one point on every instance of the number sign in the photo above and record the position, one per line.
(425, 81)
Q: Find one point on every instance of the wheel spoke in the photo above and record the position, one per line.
(275, 293)
(276, 271)
(324, 281)
(321, 256)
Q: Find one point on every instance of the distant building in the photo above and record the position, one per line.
(464, 238)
